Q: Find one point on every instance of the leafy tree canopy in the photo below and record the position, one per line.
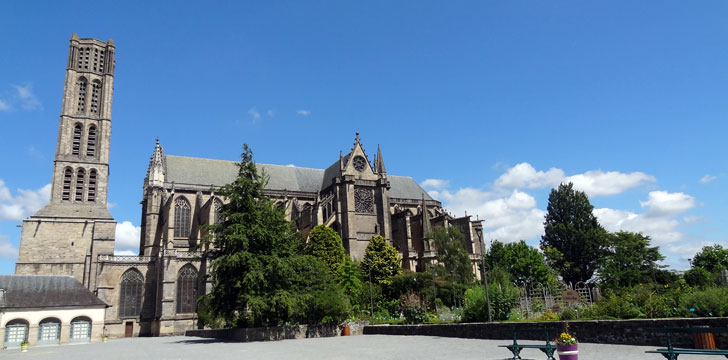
(259, 276)
(382, 259)
(573, 239)
(325, 244)
(525, 264)
(451, 253)
(630, 260)
(712, 258)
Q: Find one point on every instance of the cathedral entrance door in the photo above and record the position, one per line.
(129, 329)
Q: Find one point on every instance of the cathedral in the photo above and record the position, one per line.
(155, 292)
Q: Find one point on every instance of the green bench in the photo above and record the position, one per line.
(548, 348)
(671, 352)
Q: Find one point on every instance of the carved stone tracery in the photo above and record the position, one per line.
(363, 200)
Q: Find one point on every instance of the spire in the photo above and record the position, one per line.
(157, 166)
(379, 163)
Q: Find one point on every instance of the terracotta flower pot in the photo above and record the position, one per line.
(568, 352)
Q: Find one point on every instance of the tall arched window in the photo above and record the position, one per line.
(67, 179)
(91, 141)
(130, 294)
(81, 106)
(95, 93)
(218, 209)
(77, 132)
(49, 331)
(80, 179)
(187, 290)
(91, 194)
(181, 217)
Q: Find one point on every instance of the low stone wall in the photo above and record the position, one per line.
(278, 332)
(628, 332)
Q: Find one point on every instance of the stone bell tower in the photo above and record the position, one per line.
(67, 235)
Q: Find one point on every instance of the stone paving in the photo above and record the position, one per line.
(379, 347)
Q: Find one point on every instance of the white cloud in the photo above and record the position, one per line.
(24, 204)
(593, 183)
(435, 184)
(524, 175)
(705, 179)
(596, 182)
(303, 112)
(4, 106)
(7, 250)
(27, 98)
(662, 203)
(254, 115)
(127, 238)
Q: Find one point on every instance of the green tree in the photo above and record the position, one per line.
(630, 260)
(712, 258)
(451, 253)
(382, 259)
(349, 276)
(525, 264)
(259, 276)
(573, 238)
(325, 244)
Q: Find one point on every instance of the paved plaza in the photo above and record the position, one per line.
(379, 347)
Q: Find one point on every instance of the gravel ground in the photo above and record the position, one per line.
(379, 347)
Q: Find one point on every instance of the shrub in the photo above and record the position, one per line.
(475, 309)
(708, 302)
(503, 298)
(698, 277)
(549, 316)
(619, 307)
(568, 313)
(413, 309)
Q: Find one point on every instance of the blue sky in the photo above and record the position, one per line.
(487, 104)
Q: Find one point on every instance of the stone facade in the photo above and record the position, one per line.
(154, 293)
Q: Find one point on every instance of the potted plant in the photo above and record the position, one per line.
(24, 346)
(566, 345)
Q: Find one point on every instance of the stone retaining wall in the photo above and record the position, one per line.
(628, 332)
(278, 332)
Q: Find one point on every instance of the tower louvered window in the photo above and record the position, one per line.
(91, 141)
(95, 91)
(80, 179)
(86, 56)
(101, 61)
(81, 106)
(77, 130)
(96, 59)
(67, 179)
(187, 290)
(130, 293)
(91, 196)
(181, 217)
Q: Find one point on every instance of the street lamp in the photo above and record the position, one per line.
(371, 297)
(479, 231)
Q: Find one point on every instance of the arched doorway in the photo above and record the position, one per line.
(16, 331)
(49, 331)
(80, 330)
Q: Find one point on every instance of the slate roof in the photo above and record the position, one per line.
(81, 211)
(39, 291)
(184, 170)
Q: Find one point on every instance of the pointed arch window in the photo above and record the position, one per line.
(181, 217)
(187, 290)
(80, 182)
(95, 93)
(130, 294)
(91, 141)
(67, 181)
(76, 145)
(81, 105)
(218, 210)
(91, 195)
